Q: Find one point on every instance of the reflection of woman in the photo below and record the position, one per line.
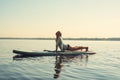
(63, 47)
(58, 66)
(60, 59)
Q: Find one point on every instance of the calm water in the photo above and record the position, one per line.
(105, 65)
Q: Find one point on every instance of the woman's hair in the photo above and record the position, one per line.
(58, 33)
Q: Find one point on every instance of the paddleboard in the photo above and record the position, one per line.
(51, 53)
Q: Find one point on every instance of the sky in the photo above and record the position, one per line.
(74, 18)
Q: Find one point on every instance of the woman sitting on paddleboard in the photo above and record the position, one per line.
(63, 47)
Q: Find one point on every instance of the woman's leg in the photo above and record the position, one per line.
(78, 48)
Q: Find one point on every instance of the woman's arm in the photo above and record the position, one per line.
(57, 44)
(56, 48)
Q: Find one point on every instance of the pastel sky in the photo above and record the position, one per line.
(74, 18)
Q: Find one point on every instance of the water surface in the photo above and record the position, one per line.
(102, 66)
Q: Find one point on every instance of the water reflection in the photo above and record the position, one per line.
(60, 59)
(19, 57)
(58, 66)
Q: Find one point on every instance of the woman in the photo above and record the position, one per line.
(63, 47)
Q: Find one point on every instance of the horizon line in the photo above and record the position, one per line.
(90, 39)
(64, 37)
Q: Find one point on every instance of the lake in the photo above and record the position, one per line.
(104, 65)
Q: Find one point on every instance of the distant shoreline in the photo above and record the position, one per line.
(86, 39)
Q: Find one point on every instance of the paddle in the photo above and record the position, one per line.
(52, 51)
(49, 50)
